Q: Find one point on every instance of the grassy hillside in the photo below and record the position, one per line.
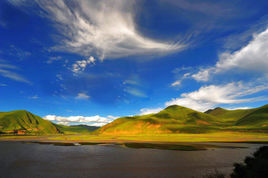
(256, 118)
(25, 122)
(74, 129)
(178, 119)
(173, 119)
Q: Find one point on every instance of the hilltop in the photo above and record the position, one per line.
(256, 118)
(173, 119)
(178, 119)
(24, 122)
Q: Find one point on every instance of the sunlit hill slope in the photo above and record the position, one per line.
(178, 119)
(23, 122)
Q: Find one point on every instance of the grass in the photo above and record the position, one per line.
(185, 142)
(173, 124)
(178, 119)
(172, 138)
(75, 129)
(24, 120)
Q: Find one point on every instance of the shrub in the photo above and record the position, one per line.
(253, 167)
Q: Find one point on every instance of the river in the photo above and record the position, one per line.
(39, 160)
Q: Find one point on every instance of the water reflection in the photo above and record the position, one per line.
(36, 160)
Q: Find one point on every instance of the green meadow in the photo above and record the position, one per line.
(173, 124)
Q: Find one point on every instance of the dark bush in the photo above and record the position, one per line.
(253, 167)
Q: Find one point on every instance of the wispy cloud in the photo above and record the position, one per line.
(135, 92)
(53, 59)
(18, 53)
(34, 97)
(179, 81)
(82, 96)
(106, 29)
(3, 85)
(8, 71)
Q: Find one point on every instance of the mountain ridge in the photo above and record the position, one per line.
(179, 119)
(173, 119)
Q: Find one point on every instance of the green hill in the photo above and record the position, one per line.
(173, 119)
(24, 122)
(74, 129)
(256, 118)
(178, 119)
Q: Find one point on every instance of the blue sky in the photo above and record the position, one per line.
(91, 61)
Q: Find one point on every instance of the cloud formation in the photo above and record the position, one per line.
(80, 66)
(251, 58)
(82, 96)
(208, 97)
(106, 29)
(9, 71)
(145, 111)
(72, 120)
(179, 81)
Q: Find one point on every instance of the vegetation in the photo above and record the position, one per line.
(24, 122)
(172, 120)
(74, 129)
(178, 119)
(256, 166)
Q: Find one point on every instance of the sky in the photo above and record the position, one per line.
(92, 61)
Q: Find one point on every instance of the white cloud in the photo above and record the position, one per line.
(71, 120)
(82, 96)
(178, 82)
(208, 97)
(235, 108)
(145, 111)
(135, 92)
(7, 70)
(251, 58)
(104, 28)
(34, 97)
(80, 66)
(112, 117)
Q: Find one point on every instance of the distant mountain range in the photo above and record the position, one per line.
(178, 119)
(23, 122)
(173, 119)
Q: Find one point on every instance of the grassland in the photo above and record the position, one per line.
(75, 129)
(25, 122)
(185, 142)
(171, 128)
(211, 137)
(178, 119)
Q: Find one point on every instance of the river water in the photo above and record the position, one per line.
(39, 160)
